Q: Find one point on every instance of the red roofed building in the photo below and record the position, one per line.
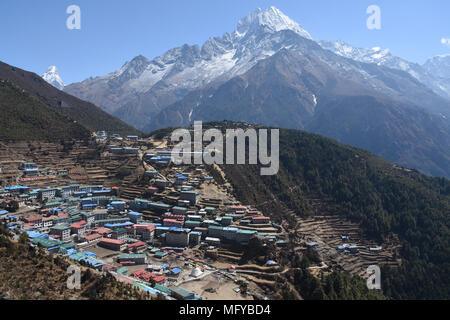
(105, 232)
(93, 237)
(148, 276)
(147, 232)
(137, 246)
(175, 217)
(48, 222)
(112, 244)
(78, 228)
(172, 223)
(159, 279)
(236, 208)
(36, 221)
(260, 220)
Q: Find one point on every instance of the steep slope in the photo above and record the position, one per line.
(427, 74)
(282, 90)
(142, 88)
(24, 117)
(85, 113)
(353, 77)
(296, 91)
(320, 176)
(401, 133)
(37, 275)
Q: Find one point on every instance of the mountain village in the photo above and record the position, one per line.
(121, 206)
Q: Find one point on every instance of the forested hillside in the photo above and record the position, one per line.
(383, 198)
(24, 117)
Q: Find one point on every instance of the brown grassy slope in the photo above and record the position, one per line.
(29, 274)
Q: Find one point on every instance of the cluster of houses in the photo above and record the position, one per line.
(74, 212)
(71, 219)
(102, 136)
(31, 170)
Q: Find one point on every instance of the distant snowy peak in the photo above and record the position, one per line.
(193, 66)
(52, 77)
(375, 55)
(137, 65)
(131, 69)
(435, 73)
(271, 20)
(439, 66)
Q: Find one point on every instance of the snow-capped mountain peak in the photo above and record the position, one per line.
(134, 67)
(52, 77)
(428, 74)
(272, 20)
(439, 66)
(142, 87)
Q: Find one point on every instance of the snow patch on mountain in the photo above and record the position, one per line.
(185, 68)
(52, 77)
(439, 65)
(271, 20)
(431, 74)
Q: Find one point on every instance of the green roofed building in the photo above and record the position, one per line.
(154, 250)
(243, 236)
(76, 218)
(46, 243)
(69, 245)
(89, 217)
(50, 205)
(160, 254)
(136, 258)
(210, 209)
(123, 271)
(182, 294)
(163, 289)
(77, 256)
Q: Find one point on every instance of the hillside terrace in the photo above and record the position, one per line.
(90, 203)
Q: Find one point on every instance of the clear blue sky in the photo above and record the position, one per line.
(33, 34)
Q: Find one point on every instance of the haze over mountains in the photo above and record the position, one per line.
(270, 71)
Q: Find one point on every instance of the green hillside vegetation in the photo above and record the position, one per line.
(383, 198)
(24, 117)
(298, 280)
